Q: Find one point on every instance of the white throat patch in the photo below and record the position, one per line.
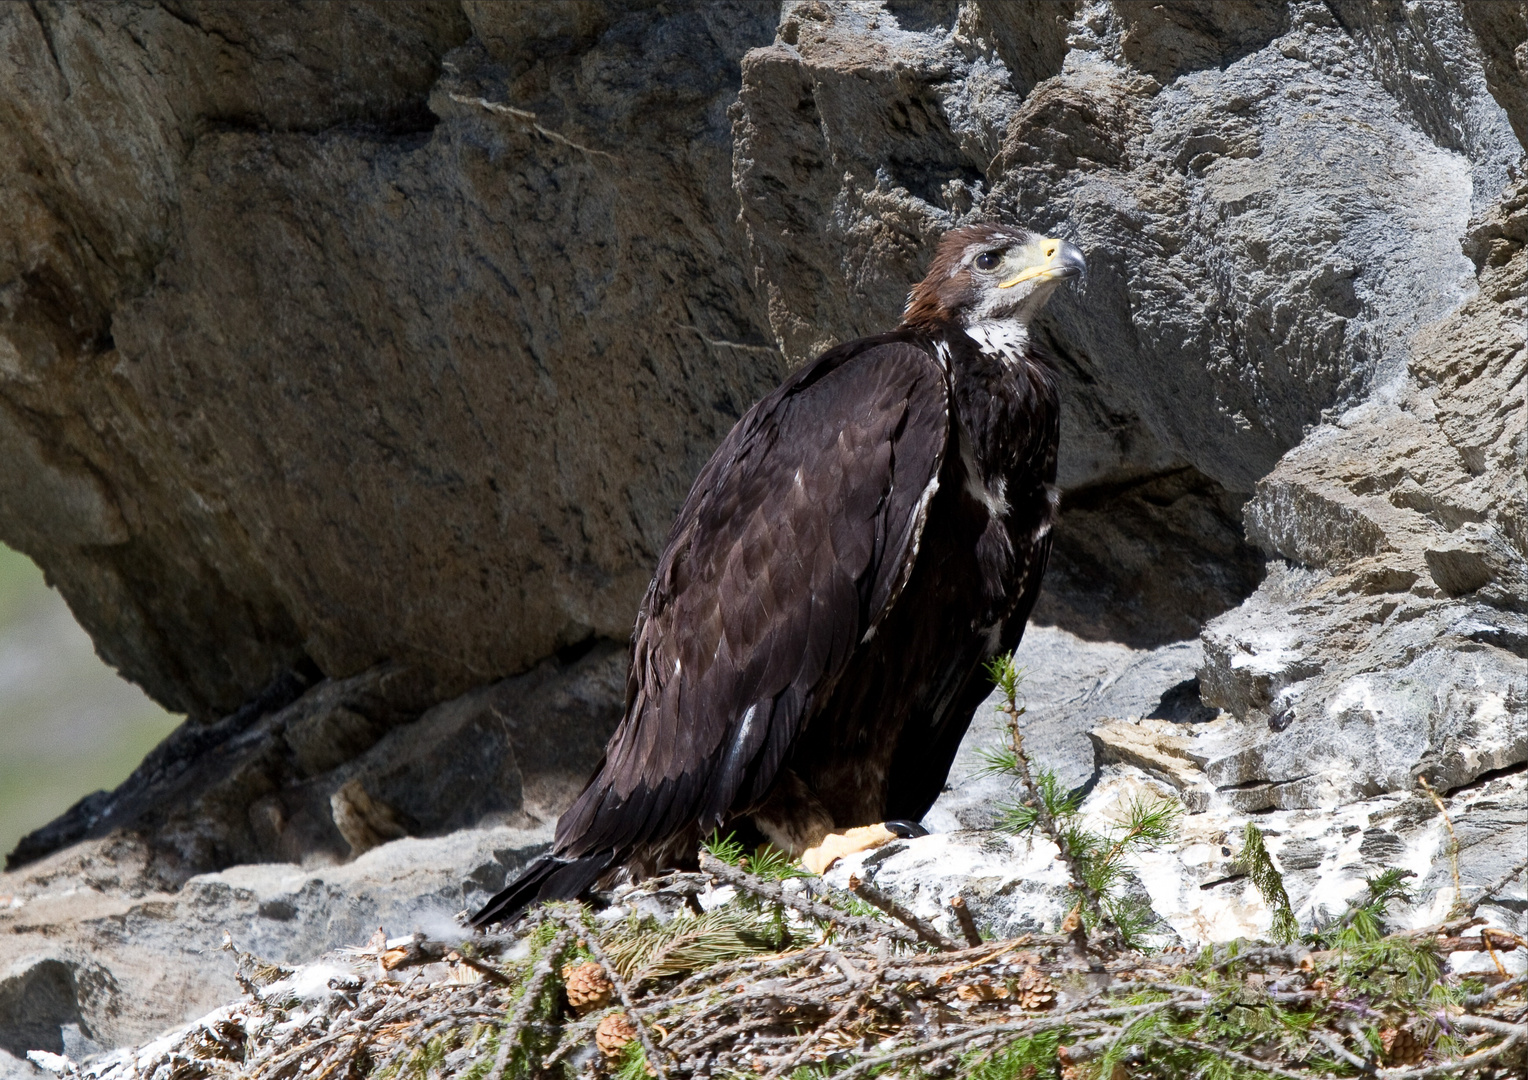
(1003, 338)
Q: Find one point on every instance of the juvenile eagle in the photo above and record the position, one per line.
(810, 651)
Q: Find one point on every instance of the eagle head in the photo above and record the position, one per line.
(989, 272)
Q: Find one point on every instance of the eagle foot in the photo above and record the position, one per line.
(835, 846)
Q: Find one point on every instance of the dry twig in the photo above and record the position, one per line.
(876, 898)
(1459, 905)
(810, 908)
(622, 992)
(966, 922)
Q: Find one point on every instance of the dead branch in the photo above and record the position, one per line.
(812, 909)
(966, 922)
(1498, 885)
(876, 898)
(653, 1059)
(540, 973)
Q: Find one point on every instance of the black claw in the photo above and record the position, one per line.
(906, 829)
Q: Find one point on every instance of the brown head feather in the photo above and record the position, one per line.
(949, 286)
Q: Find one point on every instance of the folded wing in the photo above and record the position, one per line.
(795, 540)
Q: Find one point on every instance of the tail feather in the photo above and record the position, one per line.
(546, 878)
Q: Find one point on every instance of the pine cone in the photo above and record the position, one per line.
(587, 986)
(1401, 1047)
(614, 1032)
(1033, 989)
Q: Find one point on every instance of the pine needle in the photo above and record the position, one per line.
(642, 948)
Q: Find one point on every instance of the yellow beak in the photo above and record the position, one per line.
(1061, 260)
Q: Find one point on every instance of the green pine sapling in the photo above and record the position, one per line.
(1097, 862)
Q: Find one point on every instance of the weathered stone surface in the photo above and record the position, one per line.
(338, 771)
(93, 958)
(1071, 685)
(1501, 29)
(1165, 40)
(1161, 749)
(1194, 885)
(1391, 643)
(316, 356)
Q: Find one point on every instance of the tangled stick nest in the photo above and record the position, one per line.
(775, 983)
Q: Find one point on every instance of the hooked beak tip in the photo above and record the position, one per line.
(1068, 262)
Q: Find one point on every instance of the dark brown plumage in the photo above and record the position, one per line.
(810, 651)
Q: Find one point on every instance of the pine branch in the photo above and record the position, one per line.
(1468, 1063)
(1257, 864)
(1006, 676)
(509, 1038)
(624, 993)
(871, 895)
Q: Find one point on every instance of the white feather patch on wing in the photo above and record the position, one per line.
(920, 518)
(1053, 508)
(731, 766)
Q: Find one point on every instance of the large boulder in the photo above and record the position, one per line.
(336, 334)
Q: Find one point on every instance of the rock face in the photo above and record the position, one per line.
(1402, 529)
(338, 772)
(354, 358)
(309, 353)
(263, 292)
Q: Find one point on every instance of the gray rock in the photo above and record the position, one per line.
(1390, 645)
(317, 356)
(1165, 41)
(245, 790)
(38, 1001)
(1194, 884)
(90, 962)
(1012, 886)
(1069, 686)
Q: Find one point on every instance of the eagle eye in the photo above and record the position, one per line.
(987, 260)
